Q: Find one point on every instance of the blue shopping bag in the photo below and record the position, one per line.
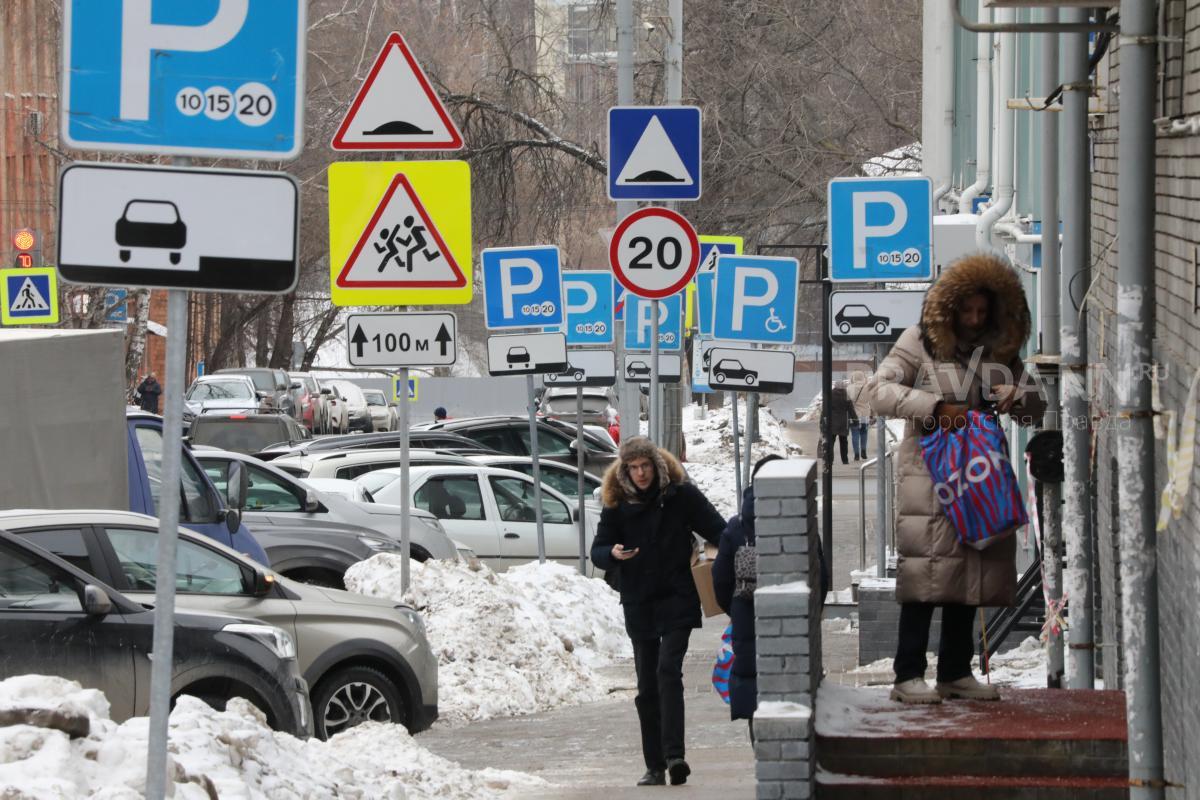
(974, 480)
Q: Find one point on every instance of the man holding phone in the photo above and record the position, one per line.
(645, 531)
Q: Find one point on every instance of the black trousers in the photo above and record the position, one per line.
(841, 440)
(954, 651)
(659, 666)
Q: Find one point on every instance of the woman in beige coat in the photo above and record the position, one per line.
(964, 353)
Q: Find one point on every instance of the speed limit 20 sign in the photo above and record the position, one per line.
(654, 252)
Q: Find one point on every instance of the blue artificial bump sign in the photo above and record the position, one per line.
(881, 229)
(638, 322)
(588, 301)
(654, 153)
(522, 287)
(756, 296)
(221, 78)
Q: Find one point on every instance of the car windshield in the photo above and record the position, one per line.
(374, 481)
(375, 398)
(246, 435)
(220, 390)
(566, 405)
(263, 379)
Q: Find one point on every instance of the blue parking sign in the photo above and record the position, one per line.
(638, 322)
(881, 229)
(222, 78)
(757, 298)
(588, 303)
(522, 287)
(705, 285)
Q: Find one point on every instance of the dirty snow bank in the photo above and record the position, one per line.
(523, 641)
(231, 754)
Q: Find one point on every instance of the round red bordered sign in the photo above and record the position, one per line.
(654, 252)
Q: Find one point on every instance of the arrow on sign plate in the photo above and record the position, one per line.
(443, 338)
(358, 339)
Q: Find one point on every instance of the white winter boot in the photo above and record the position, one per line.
(915, 691)
(968, 689)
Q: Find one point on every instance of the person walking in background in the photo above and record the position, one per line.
(650, 511)
(841, 417)
(439, 414)
(973, 324)
(149, 390)
(864, 418)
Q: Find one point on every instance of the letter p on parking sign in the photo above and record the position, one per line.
(881, 229)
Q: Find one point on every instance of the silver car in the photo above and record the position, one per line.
(229, 392)
(364, 658)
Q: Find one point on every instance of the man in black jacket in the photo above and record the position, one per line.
(150, 389)
(645, 530)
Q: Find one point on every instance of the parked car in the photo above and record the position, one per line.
(314, 537)
(510, 434)
(418, 436)
(356, 405)
(349, 464)
(339, 487)
(365, 658)
(377, 407)
(491, 510)
(306, 402)
(320, 401)
(560, 404)
(61, 620)
(339, 411)
(563, 478)
(228, 392)
(246, 432)
(275, 381)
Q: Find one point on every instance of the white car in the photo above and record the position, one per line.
(563, 478)
(339, 487)
(491, 510)
(377, 407)
(349, 464)
(339, 410)
(356, 405)
(229, 392)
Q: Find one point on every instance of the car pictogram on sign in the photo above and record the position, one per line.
(732, 369)
(635, 368)
(151, 224)
(859, 316)
(518, 355)
(574, 373)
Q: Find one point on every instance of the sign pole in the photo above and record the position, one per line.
(737, 458)
(655, 388)
(580, 454)
(537, 472)
(168, 531)
(405, 537)
(881, 497)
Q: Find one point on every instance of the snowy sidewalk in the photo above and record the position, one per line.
(594, 750)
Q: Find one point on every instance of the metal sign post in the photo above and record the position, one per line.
(580, 457)
(655, 388)
(537, 471)
(737, 456)
(881, 497)
(405, 537)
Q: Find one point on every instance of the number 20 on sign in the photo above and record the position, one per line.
(654, 252)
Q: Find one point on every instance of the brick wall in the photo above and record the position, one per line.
(787, 618)
(1177, 352)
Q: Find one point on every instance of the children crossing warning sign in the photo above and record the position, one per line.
(28, 296)
(400, 233)
(396, 108)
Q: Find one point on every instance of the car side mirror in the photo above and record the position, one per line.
(596, 494)
(575, 514)
(261, 395)
(294, 386)
(263, 583)
(311, 502)
(96, 601)
(237, 482)
(233, 520)
(326, 391)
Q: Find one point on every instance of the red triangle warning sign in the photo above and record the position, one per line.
(401, 248)
(396, 108)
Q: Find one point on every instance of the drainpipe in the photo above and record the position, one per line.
(1075, 278)
(1004, 134)
(1135, 437)
(1048, 307)
(983, 117)
(937, 119)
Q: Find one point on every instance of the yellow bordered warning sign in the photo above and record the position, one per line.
(400, 233)
(29, 296)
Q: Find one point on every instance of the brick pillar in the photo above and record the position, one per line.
(787, 618)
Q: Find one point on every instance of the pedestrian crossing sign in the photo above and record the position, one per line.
(29, 296)
(398, 392)
(400, 233)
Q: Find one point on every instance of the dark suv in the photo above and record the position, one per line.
(442, 441)
(56, 619)
(510, 434)
(246, 432)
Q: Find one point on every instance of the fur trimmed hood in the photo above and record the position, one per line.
(1009, 318)
(617, 486)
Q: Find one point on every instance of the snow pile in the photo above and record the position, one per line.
(231, 754)
(1023, 667)
(517, 643)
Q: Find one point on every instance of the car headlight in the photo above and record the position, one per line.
(413, 617)
(277, 640)
(378, 545)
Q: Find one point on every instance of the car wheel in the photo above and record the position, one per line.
(881, 327)
(352, 696)
(844, 327)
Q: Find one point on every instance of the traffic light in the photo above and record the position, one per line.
(26, 242)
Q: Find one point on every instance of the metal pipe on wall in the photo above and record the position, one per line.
(1075, 278)
(983, 115)
(1048, 308)
(1005, 128)
(1135, 436)
(937, 96)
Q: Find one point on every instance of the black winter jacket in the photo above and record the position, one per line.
(743, 679)
(658, 593)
